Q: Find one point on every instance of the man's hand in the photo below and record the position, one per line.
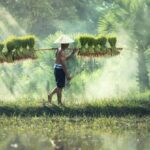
(75, 50)
(69, 77)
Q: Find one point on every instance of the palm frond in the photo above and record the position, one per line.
(107, 24)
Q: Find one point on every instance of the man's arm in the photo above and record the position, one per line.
(69, 56)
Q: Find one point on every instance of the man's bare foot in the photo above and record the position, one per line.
(60, 103)
(49, 98)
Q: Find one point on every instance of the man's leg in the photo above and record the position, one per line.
(51, 94)
(59, 95)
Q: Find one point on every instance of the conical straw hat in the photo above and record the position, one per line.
(64, 39)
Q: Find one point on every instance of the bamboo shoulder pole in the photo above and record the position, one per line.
(47, 49)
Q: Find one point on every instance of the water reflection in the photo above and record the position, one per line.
(128, 141)
(57, 143)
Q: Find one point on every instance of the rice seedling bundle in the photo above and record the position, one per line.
(97, 45)
(17, 48)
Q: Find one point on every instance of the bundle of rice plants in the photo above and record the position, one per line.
(17, 51)
(83, 43)
(28, 43)
(90, 40)
(82, 40)
(91, 43)
(112, 41)
(31, 41)
(87, 43)
(10, 44)
(1, 46)
(13, 45)
(97, 48)
(24, 42)
(101, 40)
(24, 51)
(1, 52)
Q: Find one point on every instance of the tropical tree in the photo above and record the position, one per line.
(49, 16)
(133, 17)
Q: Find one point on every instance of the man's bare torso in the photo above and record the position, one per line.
(60, 56)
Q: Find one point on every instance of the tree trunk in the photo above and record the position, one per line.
(142, 70)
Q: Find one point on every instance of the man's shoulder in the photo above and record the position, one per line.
(61, 52)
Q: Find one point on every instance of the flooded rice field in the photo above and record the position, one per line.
(75, 141)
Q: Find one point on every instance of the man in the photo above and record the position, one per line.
(60, 70)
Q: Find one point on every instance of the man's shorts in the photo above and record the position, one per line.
(59, 77)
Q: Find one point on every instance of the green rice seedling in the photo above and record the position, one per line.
(23, 47)
(82, 50)
(88, 43)
(17, 52)
(24, 51)
(1, 52)
(1, 46)
(97, 48)
(17, 43)
(31, 41)
(24, 42)
(101, 40)
(82, 40)
(31, 44)
(10, 45)
(14, 45)
(28, 43)
(77, 44)
(90, 40)
(112, 41)
(92, 50)
(91, 43)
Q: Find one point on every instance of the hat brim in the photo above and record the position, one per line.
(64, 40)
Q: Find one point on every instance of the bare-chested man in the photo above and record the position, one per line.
(61, 73)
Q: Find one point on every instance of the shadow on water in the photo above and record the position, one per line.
(140, 109)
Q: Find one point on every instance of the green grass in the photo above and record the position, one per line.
(86, 121)
(112, 114)
(94, 109)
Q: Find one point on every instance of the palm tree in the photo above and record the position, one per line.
(133, 17)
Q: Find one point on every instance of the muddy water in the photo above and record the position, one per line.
(74, 141)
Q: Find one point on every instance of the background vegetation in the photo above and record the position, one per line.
(107, 102)
(49, 19)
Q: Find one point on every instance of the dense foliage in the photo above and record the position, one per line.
(48, 16)
(131, 18)
(43, 18)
